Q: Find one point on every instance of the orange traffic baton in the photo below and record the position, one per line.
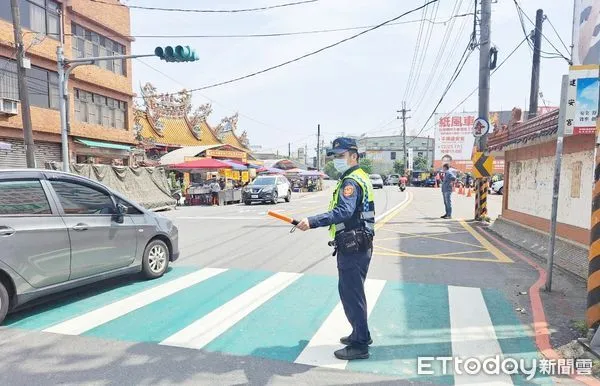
(282, 217)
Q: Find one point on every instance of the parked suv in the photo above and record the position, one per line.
(267, 189)
(393, 179)
(59, 231)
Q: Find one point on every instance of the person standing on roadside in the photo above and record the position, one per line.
(449, 179)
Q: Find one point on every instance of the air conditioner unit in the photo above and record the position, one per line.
(9, 106)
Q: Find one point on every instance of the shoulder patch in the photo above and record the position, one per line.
(348, 190)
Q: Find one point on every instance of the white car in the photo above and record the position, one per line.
(393, 179)
(376, 181)
(498, 187)
(267, 189)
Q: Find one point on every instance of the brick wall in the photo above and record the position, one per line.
(105, 19)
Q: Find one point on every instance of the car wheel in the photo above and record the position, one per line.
(288, 198)
(247, 203)
(275, 198)
(156, 259)
(500, 191)
(4, 302)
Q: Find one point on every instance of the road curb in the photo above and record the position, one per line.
(540, 324)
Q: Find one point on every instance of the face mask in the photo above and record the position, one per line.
(340, 165)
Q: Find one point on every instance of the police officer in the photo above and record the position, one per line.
(351, 219)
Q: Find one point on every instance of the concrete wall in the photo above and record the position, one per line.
(529, 175)
(530, 188)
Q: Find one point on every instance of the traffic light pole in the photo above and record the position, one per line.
(65, 67)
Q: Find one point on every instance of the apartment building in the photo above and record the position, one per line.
(100, 108)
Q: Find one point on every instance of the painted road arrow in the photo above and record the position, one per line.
(482, 165)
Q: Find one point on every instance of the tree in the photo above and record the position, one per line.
(330, 171)
(366, 165)
(399, 167)
(420, 163)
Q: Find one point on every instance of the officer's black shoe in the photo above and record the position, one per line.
(349, 353)
(346, 340)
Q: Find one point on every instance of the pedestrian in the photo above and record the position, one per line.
(449, 179)
(215, 188)
(351, 220)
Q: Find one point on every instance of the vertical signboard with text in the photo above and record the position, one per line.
(582, 100)
(454, 137)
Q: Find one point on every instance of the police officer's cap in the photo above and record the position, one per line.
(341, 145)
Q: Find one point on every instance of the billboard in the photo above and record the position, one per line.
(582, 100)
(454, 136)
(586, 41)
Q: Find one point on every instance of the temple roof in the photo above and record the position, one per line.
(168, 120)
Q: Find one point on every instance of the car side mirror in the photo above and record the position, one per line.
(121, 212)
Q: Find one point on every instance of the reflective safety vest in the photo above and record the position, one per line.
(367, 209)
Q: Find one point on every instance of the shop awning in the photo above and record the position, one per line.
(105, 145)
(5, 146)
(205, 163)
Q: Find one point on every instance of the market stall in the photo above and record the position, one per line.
(204, 172)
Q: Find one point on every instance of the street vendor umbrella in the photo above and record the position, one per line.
(5, 146)
(235, 165)
(205, 163)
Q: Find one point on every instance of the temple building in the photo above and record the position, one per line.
(166, 124)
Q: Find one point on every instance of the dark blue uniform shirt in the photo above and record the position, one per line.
(349, 199)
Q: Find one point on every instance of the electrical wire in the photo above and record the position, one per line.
(413, 63)
(421, 61)
(476, 88)
(521, 14)
(280, 34)
(557, 34)
(306, 55)
(265, 8)
(210, 99)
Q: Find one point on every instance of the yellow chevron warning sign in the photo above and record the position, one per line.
(483, 165)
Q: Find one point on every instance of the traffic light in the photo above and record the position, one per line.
(177, 54)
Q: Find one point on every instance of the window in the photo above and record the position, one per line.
(82, 200)
(130, 208)
(99, 110)
(88, 43)
(23, 198)
(393, 155)
(37, 15)
(42, 85)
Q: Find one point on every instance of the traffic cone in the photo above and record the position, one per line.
(461, 190)
(469, 193)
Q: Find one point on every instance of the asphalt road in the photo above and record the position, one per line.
(250, 302)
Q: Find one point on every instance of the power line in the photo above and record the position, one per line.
(265, 8)
(279, 34)
(557, 34)
(522, 13)
(206, 97)
(308, 54)
(414, 58)
(477, 88)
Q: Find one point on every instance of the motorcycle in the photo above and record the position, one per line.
(402, 186)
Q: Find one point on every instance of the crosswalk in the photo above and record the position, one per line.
(297, 318)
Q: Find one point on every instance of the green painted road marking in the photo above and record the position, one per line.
(161, 319)
(512, 336)
(282, 327)
(408, 321)
(47, 315)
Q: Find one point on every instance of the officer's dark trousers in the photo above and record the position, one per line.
(352, 270)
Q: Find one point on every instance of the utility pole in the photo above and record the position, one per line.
(23, 93)
(404, 118)
(535, 70)
(318, 147)
(484, 93)
(289, 150)
(305, 154)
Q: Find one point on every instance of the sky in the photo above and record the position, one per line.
(356, 87)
